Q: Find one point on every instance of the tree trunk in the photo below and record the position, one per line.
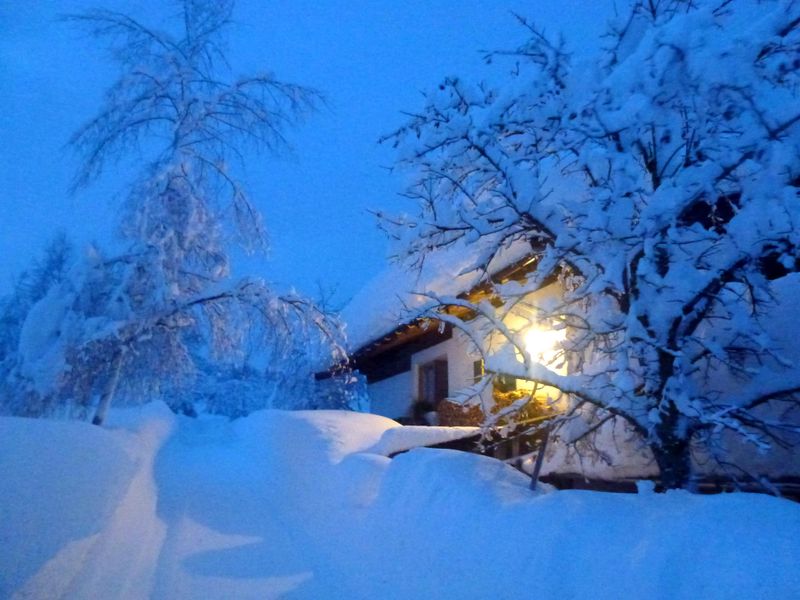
(674, 462)
(671, 447)
(539, 459)
(110, 388)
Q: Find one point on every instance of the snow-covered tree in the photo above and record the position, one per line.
(133, 323)
(30, 287)
(661, 187)
(17, 389)
(80, 341)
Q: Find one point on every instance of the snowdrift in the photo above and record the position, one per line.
(307, 505)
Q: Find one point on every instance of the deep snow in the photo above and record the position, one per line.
(303, 505)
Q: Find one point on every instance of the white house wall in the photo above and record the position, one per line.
(459, 355)
(623, 455)
(391, 397)
(394, 397)
(617, 454)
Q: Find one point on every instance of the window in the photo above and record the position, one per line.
(505, 383)
(502, 383)
(478, 371)
(433, 385)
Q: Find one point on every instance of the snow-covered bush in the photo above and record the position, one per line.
(661, 188)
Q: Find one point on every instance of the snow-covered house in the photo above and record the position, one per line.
(412, 364)
(425, 371)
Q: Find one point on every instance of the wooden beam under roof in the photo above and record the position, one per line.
(408, 332)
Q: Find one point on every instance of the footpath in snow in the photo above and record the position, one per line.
(307, 505)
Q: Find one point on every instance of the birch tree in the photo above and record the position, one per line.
(177, 104)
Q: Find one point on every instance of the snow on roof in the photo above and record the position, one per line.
(389, 299)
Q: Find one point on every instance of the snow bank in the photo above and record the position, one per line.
(451, 479)
(399, 439)
(60, 485)
(307, 505)
(72, 493)
(475, 531)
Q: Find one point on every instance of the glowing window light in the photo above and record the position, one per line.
(543, 345)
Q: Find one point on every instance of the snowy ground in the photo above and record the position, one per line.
(303, 505)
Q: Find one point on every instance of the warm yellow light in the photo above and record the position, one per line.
(542, 345)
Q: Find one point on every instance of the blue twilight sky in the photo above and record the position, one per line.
(371, 58)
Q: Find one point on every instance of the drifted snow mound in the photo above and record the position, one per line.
(307, 505)
(72, 495)
(452, 478)
(401, 439)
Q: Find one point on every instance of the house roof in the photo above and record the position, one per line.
(386, 304)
